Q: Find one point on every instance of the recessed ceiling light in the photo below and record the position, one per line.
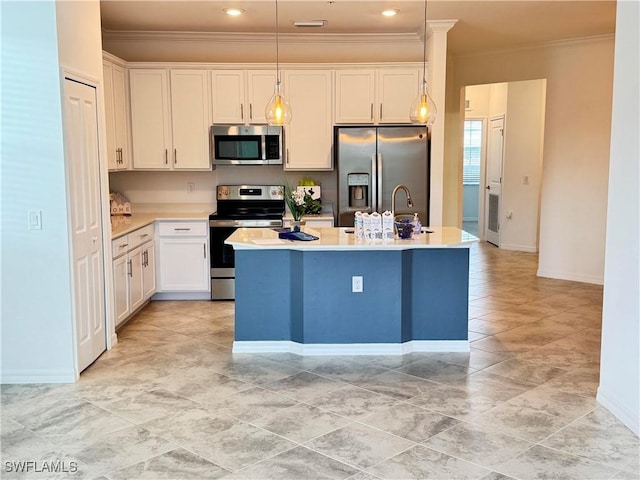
(390, 12)
(234, 12)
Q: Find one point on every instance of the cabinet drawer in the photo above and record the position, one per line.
(140, 236)
(120, 246)
(183, 229)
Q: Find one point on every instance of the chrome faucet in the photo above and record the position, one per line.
(393, 198)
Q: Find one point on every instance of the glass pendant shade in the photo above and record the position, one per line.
(277, 111)
(423, 110)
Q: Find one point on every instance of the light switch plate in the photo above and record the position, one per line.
(35, 220)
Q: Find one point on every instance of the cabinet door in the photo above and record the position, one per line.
(121, 288)
(397, 88)
(136, 288)
(260, 88)
(190, 119)
(148, 270)
(184, 264)
(150, 118)
(308, 136)
(110, 118)
(355, 96)
(120, 114)
(227, 94)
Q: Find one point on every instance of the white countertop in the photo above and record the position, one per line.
(335, 239)
(121, 225)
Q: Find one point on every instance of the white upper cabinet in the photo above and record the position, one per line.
(170, 119)
(355, 96)
(228, 95)
(116, 116)
(260, 87)
(190, 119)
(150, 118)
(240, 96)
(397, 88)
(309, 135)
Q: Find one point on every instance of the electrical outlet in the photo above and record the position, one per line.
(35, 220)
(191, 187)
(357, 284)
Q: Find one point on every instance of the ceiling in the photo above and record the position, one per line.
(482, 25)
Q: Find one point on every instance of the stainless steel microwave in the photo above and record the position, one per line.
(246, 145)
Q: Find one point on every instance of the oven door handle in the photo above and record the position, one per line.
(245, 223)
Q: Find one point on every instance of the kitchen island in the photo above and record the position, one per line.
(295, 296)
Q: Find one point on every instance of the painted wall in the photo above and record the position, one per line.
(522, 165)
(37, 341)
(576, 146)
(470, 205)
(619, 388)
(150, 191)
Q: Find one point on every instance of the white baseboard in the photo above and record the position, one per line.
(519, 248)
(182, 296)
(574, 277)
(311, 349)
(38, 376)
(630, 418)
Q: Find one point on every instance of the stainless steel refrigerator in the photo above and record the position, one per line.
(371, 161)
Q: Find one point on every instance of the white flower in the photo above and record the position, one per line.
(298, 197)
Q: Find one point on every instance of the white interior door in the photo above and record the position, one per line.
(85, 213)
(495, 152)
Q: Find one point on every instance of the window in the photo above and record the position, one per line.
(472, 152)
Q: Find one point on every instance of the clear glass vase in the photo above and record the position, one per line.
(297, 225)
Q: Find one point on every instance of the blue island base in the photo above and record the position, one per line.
(301, 301)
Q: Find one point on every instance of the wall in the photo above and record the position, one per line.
(522, 165)
(167, 191)
(470, 205)
(619, 388)
(576, 146)
(37, 340)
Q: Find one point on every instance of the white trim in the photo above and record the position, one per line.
(630, 418)
(181, 296)
(574, 277)
(278, 346)
(38, 376)
(520, 248)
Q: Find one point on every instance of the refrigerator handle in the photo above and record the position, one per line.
(378, 187)
(374, 184)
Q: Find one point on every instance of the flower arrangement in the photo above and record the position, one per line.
(300, 201)
(295, 200)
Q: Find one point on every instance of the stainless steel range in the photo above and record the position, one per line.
(248, 206)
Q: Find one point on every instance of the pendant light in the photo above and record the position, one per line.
(423, 110)
(277, 111)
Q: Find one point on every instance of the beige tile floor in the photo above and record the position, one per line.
(171, 401)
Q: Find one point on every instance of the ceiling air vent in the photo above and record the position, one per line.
(310, 24)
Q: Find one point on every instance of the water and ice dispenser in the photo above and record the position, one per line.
(358, 190)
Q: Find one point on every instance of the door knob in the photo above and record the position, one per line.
(488, 187)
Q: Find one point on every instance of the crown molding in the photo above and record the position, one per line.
(239, 38)
(568, 42)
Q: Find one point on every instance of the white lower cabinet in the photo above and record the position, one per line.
(133, 272)
(183, 256)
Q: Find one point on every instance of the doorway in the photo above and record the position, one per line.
(502, 162)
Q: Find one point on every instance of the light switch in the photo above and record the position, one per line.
(35, 220)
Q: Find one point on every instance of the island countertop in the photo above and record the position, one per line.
(337, 239)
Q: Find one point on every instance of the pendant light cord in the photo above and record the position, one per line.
(424, 54)
(277, 52)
